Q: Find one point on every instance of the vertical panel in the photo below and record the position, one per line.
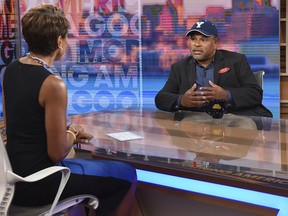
(8, 33)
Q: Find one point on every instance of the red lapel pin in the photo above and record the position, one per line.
(224, 70)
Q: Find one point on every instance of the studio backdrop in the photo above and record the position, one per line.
(120, 51)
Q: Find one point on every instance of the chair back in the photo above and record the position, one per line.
(259, 77)
(6, 189)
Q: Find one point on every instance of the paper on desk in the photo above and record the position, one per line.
(124, 136)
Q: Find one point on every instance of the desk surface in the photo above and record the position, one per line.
(229, 151)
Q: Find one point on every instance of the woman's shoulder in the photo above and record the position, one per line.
(55, 83)
(53, 89)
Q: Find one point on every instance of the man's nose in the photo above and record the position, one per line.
(197, 43)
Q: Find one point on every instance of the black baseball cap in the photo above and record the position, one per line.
(204, 27)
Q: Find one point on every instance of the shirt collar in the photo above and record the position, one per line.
(212, 62)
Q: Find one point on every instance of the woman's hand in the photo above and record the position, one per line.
(81, 135)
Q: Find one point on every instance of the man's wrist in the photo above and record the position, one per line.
(178, 103)
(229, 99)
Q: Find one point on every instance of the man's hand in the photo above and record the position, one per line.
(193, 98)
(214, 92)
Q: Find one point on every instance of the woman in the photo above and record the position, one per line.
(35, 103)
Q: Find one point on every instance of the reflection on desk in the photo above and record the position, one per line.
(195, 146)
(211, 139)
(230, 151)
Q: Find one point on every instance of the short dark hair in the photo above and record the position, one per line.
(41, 26)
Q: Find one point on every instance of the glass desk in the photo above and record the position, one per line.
(237, 152)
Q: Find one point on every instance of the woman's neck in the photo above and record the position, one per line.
(43, 60)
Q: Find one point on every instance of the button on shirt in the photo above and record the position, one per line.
(203, 75)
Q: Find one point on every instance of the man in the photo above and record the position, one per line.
(210, 74)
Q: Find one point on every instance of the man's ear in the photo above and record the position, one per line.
(216, 43)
